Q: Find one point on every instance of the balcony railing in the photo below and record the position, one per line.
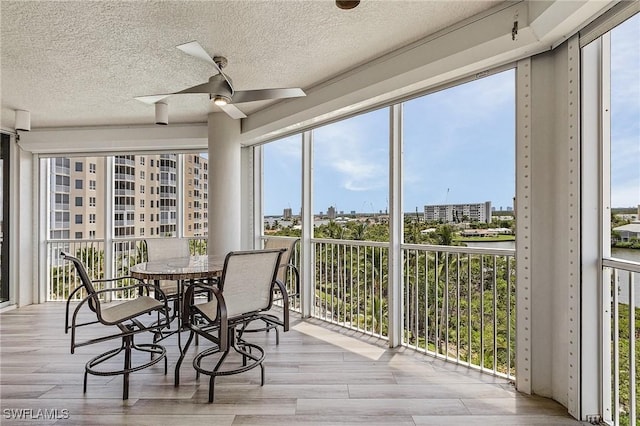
(350, 284)
(622, 318)
(62, 278)
(458, 303)
(130, 177)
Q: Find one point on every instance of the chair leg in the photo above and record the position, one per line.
(212, 383)
(127, 366)
(212, 378)
(183, 352)
(261, 374)
(243, 348)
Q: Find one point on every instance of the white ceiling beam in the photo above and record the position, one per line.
(115, 139)
(474, 45)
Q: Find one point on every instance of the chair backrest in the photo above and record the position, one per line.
(94, 303)
(247, 280)
(282, 243)
(167, 248)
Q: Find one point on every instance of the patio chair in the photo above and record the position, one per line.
(167, 248)
(243, 294)
(288, 275)
(126, 316)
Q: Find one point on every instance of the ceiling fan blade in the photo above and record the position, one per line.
(200, 88)
(152, 99)
(233, 111)
(266, 94)
(193, 48)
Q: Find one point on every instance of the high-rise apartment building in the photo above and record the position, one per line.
(331, 212)
(196, 195)
(75, 188)
(145, 196)
(455, 213)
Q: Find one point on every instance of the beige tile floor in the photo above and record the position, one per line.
(319, 374)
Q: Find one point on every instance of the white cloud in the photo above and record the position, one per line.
(351, 150)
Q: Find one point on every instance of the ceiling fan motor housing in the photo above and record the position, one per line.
(221, 61)
(219, 87)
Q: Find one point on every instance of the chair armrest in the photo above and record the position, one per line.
(222, 310)
(124, 277)
(139, 284)
(160, 294)
(296, 277)
(96, 297)
(285, 304)
(66, 317)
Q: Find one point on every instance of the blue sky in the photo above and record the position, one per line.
(459, 146)
(625, 114)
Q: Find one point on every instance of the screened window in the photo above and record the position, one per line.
(282, 204)
(351, 178)
(459, 161)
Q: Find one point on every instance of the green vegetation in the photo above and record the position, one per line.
(633, 243)
(623, 350)
(454, 305)
(618, 218)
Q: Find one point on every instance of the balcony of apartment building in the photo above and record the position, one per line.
(386, 331)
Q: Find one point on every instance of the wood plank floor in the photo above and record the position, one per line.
(319, 374)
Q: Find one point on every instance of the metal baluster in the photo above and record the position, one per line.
(495, 313)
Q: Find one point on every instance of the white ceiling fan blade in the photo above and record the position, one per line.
(193, 48)
(152, 99)
(266, 94)
(233, 111)
(200, 88)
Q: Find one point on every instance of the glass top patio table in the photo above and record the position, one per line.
(180, 268)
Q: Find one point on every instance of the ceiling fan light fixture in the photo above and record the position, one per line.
(221, 100)
(347, 4)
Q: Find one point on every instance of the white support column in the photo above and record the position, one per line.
(523, 224)
(225, 206)
(253, 197)
(180, 195)
(604, 149)
(307, 253)
(23, 221)
(572, 177)
(550, 251)
(395, 283)
(41, 204)
(108, 206)
(596, 214)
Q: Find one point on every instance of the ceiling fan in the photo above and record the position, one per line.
(220, 88)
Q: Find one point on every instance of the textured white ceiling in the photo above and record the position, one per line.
(82, 63)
